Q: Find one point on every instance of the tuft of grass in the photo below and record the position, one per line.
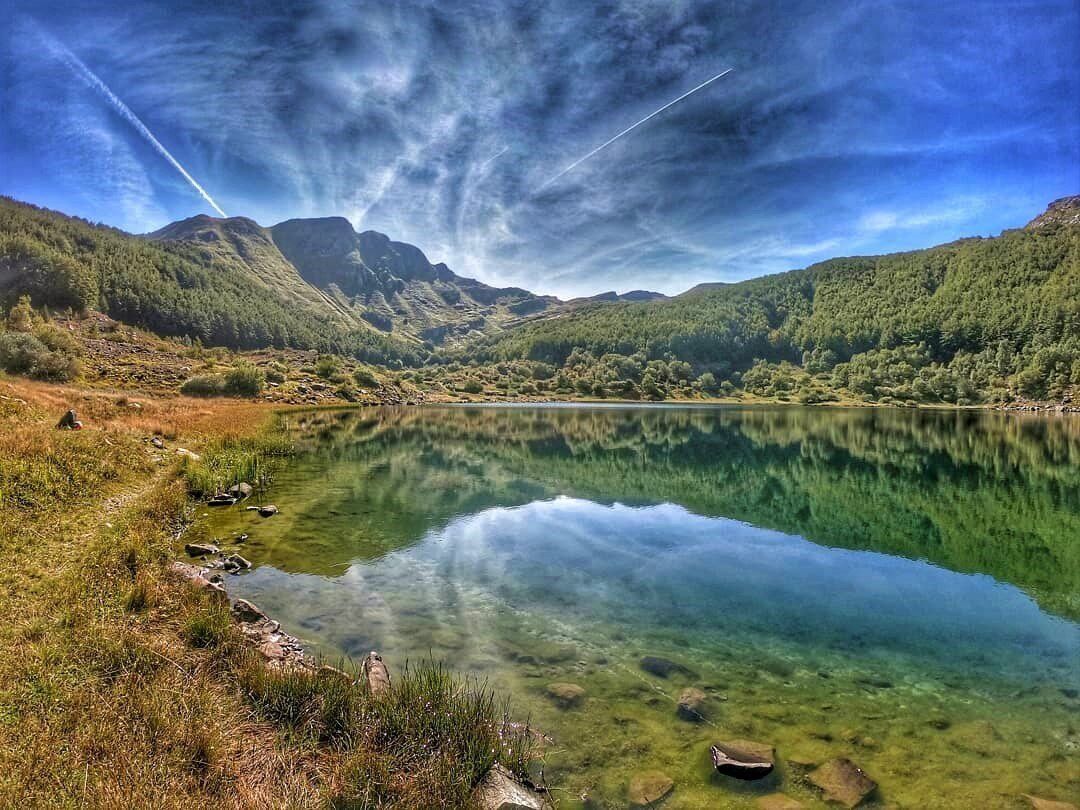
(209, 626)
(232, 459)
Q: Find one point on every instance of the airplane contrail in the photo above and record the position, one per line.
(79, 68)
(632, 127)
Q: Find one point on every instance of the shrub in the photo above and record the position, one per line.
(327, 366)
(244, 380)
(204, 385)
(23, 353)
(472, 386)
(365, 378)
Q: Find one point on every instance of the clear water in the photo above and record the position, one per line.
(898, 587)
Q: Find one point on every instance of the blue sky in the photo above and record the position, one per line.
(845, 127)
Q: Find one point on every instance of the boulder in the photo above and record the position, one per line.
(241, 490)
(691, 705)
(649, 788)
(1048, 804)
(662, 667)
(200, 549)
(501, 791)
(566, 695)
(843, 781)
(375, 673)
(778, 801)
(246, 612)
(68, 421)
(743, 759)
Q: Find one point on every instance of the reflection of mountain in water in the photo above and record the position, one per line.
(991, 493)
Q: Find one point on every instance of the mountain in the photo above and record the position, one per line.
(613, 297)
(360, 278)
(963, 319)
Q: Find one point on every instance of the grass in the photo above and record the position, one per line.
(121, 688)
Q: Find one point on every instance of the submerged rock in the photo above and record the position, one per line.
(566, 695)
(501, 791)
(221, 500)
(691, 705)
(662, 667)
(843, 781)
(649, 788)
(264, 511)
(1048, 804)
(743, 759)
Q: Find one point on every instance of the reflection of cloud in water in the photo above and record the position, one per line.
(668, 570)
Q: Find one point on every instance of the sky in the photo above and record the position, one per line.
(843, 127)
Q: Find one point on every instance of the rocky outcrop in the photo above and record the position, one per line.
(649, 788)
(743, 759)
(844, 782)
(1065, 211)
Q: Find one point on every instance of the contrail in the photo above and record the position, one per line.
(632, 127)
(79, 68)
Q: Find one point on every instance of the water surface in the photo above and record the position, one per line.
(897, 587)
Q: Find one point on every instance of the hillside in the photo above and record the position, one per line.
(962, 322)
(182, 289)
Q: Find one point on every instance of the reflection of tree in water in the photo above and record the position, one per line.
(972, 491)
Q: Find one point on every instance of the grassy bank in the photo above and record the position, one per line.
(124, 688)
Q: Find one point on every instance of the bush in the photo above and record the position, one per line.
(327, 366)
(22, 353)
(204, 385)
(365, 378)
(245, 380)
(472, 386)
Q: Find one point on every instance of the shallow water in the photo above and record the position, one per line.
(901, 588)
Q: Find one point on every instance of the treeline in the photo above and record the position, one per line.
(172, 289)
(974, 320)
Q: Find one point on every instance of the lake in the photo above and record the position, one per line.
(898, 587)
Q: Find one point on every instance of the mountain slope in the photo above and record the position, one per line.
(986, 310)
(174, 288)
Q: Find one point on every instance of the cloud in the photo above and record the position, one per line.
(841, 126)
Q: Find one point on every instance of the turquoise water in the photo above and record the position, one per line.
(897, 587)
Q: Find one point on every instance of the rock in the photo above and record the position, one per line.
(566, 695)
(200, 549)
(212, 589)
(264, 511)
(183, 451)
(662, 667)
(272, 650)
(1048, 804)
(68, 421)
(221, 500)
(692, 705)
(743, 759)
(649, 788)
(157, 442)
(375, 673)
(843, 782)
(778, 801)
(241, 490)
(238, 561)
(500, 791)
(243, 538)
(245, 611)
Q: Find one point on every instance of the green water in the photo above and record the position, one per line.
(897, 587)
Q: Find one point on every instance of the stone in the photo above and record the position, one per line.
(778, 801)
(241, 490)
(743, 759)
(246, 612)
(238, 561)
(649, 788)
(691, 705)
(157, 442)
(212, 589)
(200, 549)
(662, 667)
(566, 695)
(269, 510)
(375, 673)
(499, 790)
(272, 650)
(68, 421)
(1048, 804)
(221, 500)
(843, 781)
(183, 451)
